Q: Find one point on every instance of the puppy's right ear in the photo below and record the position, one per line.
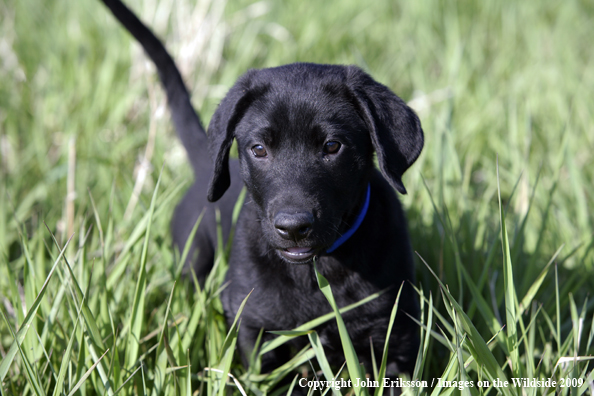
(221, 132)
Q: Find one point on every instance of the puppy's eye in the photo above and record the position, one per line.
(259, 151)
(331, 147)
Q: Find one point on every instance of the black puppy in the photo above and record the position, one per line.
(306, 136)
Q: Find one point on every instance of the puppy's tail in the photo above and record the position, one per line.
(186, 121)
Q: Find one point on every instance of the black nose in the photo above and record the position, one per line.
(293, 226)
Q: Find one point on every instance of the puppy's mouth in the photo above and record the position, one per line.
(298, 255)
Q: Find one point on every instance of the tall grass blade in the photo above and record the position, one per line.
(316, 345)
(22, 332)
(304, 328)
(303, 356)
(90, 321)
(188, 374)
(86, 375)
(382, 370)
(477, 346)
(292, 386)
(187, 247)
(128, 379)
(510, 292)
(137, 314)
(347, 346)
(141, 226)
(424, 347)
(66, 358)
(31, 375)
(558, 312)
(531, 293)
(161, 364)
(228, 347)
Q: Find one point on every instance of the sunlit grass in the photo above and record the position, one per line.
(499, 205)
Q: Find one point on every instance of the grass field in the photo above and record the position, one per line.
(500, 203)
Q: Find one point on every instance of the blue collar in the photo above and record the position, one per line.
(343, 238)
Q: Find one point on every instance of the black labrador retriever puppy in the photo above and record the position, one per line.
(306, 136)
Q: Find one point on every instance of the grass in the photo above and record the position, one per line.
(499, 205)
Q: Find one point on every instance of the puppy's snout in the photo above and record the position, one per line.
(293, 226)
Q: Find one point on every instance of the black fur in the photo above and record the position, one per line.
(302, 195)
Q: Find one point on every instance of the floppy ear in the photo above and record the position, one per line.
(221, 132)
(394, 128)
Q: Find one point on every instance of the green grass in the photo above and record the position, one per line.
(499, 204)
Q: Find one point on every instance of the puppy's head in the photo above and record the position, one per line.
(306, 134)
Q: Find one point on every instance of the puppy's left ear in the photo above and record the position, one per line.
(394, 128)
